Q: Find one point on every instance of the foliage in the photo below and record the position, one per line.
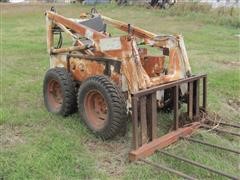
(204, 12)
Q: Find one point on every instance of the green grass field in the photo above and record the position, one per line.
(38, 145)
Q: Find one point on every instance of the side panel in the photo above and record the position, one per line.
(58, 60)
(81, 69)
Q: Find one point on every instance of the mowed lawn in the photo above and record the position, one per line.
(38, 145)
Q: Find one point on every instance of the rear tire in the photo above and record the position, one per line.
(165, 5)
(102, 107)
(168, 101)
(59, 92)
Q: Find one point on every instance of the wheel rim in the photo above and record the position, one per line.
(55, 96)
(96, 109)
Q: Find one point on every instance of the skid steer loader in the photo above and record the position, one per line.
(108, 78)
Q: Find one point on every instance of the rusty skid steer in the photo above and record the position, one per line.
(109, 78)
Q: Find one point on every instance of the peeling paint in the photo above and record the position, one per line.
(139, 70)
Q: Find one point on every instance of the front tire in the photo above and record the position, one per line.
(59, 92)
(102, 107)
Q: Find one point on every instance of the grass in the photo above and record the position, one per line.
(38, 145)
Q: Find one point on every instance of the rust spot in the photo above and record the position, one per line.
(141, 70)
(82, 69)
(153, 65)
(116, 78)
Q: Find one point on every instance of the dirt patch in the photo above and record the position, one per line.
(10, 136)
(111, 156)
(237, 35)
(234, 103)
(231, 63)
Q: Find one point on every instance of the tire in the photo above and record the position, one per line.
(168, 101)
(59, 92)
(102, 107)
(166, 5)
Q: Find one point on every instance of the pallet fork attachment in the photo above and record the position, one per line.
(144, 117)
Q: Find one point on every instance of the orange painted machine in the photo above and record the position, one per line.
(110, 77)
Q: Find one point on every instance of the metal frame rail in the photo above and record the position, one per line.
(194, 163)
(212, 145)
(220, 130)
(225, 124)
(159, 166)
(199, 165)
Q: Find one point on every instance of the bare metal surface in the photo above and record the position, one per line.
(159, 166)
(68, 49)
(199, 165)
(212, 145)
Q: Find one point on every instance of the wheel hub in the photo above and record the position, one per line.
(96, 108)
(55, 95)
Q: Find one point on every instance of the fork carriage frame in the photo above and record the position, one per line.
(144, 116)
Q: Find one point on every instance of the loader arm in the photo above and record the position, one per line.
(123, 49)
(162, 41)
(64, 23)
(78, 28)
(149, 37)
